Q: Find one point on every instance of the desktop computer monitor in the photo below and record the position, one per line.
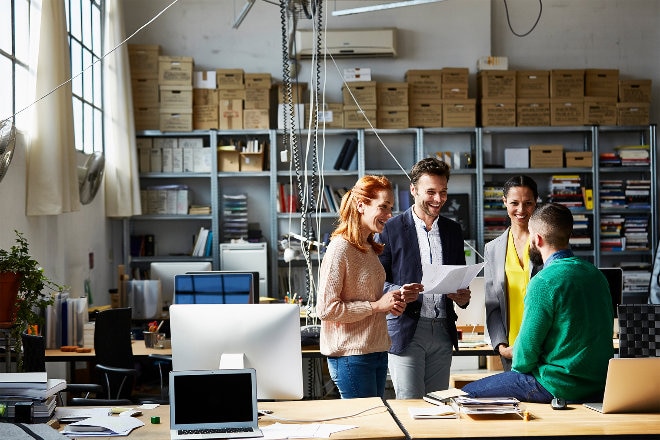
(614, 277)
(165, 271)
(215, 288)
(265, 337)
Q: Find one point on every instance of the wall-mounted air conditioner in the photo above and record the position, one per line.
(378, 42)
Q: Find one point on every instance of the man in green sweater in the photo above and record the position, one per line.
(565, 339)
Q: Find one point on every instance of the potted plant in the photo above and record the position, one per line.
(24, 291)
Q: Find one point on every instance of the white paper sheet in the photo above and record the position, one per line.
(444, 278)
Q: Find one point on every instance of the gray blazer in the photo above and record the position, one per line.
(495, 289)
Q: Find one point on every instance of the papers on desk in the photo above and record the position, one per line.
(438, 411)
(486, 405)
(306, 430)
(68, 414)
(442, 279)
(103, 426)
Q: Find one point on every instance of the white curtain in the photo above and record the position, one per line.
(122, 186)
(52, 181)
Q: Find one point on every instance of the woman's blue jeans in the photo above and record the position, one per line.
(359, 375)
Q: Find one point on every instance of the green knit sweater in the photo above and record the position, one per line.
(565, 339)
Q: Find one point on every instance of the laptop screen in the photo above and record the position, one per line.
(614, 277)
(210, 399)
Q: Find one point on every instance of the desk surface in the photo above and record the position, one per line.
(375, 423)
(576, 421)
(139, 350)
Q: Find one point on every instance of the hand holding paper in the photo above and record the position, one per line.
(443, 279)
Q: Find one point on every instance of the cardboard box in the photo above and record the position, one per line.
(567, 83)
(228, 160)
(146, 118)
(229, 78)
(498, 112)
(516, 158)
(257, 80)
(231, 94)
(599, 110)
(579, 159)
(298, 93)
(364, 92)
(332, 115)
(205, 117)
(601, 82)
(205, 97)
(252, 161)
(546, 156)
(497, 84)
(143, 60)
(354, 118)
(566, 111)
(286, 112)
(145, 92)
(392, 94)
(176, 98)
(257, 98)
(357, 74)
(454, 92)
(230, 114)
(392, 117)
(455, 76)
(424, 85)
(175, 71)
(424, 114)
(635, 90)
(205, 79)
(633, 113)
(256, 119)
(492, 63)
(532, 84)
(176, 121)
(459, 113)
(532, 112)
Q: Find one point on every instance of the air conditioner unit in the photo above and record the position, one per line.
(378, 42)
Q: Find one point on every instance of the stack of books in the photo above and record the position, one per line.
(30, 389)
(567, 190)
(634, 155)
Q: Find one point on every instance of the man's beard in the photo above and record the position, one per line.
(535, 255)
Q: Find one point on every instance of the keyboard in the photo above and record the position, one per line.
(213, 431)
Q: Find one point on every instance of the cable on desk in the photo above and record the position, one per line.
(284, 419)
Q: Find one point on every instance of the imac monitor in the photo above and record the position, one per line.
(165, 271)
(614, 277)
(214, 288)
(265, 337)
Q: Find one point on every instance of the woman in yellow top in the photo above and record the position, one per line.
(508, 269)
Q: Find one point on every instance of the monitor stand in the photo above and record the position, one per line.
(232, 361)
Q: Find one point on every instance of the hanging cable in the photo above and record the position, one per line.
(508, 20)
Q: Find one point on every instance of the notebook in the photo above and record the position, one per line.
(632, 385)
(213, 404)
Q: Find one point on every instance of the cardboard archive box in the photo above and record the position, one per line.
(175, 71)
(364, 92)
(392, 117)
(252, 161)
(497, 112)
(459, 113)
(635, 90)
(143, 60)
(546, 156)
(205, 97)
(532, 84)
(298, 93)
(516, 158)
(532, 112)
(455, 82)
(497, 84)
(566, 111)
(176, 121)
(601, 82)
(567, 83)
(205, 117)
(175, 98)
(424, 85)
(633, 113)
(230, 114)
(205, 79)
(146, 118)
(145, 92)
(256, 119)
(229, 78)
(332, 115)
(391, 94)
(599, 110)
(354, 118)
(257, 98)
(579, 159)
(425, 114)
(228, 159)
(257, 80)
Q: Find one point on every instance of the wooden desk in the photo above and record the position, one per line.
(576, 422)
(377, 423)
(139, 350)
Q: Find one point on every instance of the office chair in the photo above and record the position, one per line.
(115, 366)
(639, 330)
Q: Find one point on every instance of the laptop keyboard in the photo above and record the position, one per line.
(214, 431)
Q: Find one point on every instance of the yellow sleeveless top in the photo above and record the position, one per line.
(517, 277)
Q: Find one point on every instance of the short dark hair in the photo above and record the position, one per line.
(521, 181)
(430, 165)
(554, 222)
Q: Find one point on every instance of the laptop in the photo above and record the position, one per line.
(632, 385)
(213, 404)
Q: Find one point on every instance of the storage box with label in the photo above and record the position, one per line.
(252, 161)
(257, 80)
(229, 78)
(146, 118)
(498, 112)
(257, 98)
(496, 84)
(492, 63)
(635, 90)
(332, 115)
(392, 94)
(176, 121)
(532, 84)
(230, 114)
(424, 85)
(228, 159)
(145, 92)
(547, 156)
(392, 117)
(455, 82)
(633, 113)
(354, 118)
(204, 79)
(567, 83)
(143, 60)
(231, 94)
(256, 119)
(599, 110)
(516, 158)
(176, 98)
(362, 92)
(579, 159)
(424, 114)
(601, 82)
(175, 71)
(144, 146)
(459, 113)
(205, 117)
(532, 112)
(205, 97)
(357, 74)
(566, 111)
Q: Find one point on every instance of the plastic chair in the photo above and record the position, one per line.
(639, 330)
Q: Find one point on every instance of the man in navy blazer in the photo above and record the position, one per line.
(424, 336)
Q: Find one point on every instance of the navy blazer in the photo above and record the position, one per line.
(403, 264)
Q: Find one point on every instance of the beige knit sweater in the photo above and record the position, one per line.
(349, 280)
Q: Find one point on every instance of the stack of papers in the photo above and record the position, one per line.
(99, 426)
(486, 405)
(20, 388)
(437, 411)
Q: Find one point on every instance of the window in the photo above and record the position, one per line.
(85, 25)
(14, 56)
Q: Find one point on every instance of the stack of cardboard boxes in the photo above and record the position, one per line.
(175, 83)
(143, 60)
(532, 98)
(360, 100)
(497, 97)
(256, 113)
(634, 102)
(231, 94)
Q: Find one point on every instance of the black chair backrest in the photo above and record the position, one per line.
(639, 330)
(112, 338)
(34, 353)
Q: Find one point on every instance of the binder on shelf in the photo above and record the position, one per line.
(350, 154)
(342, 154)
